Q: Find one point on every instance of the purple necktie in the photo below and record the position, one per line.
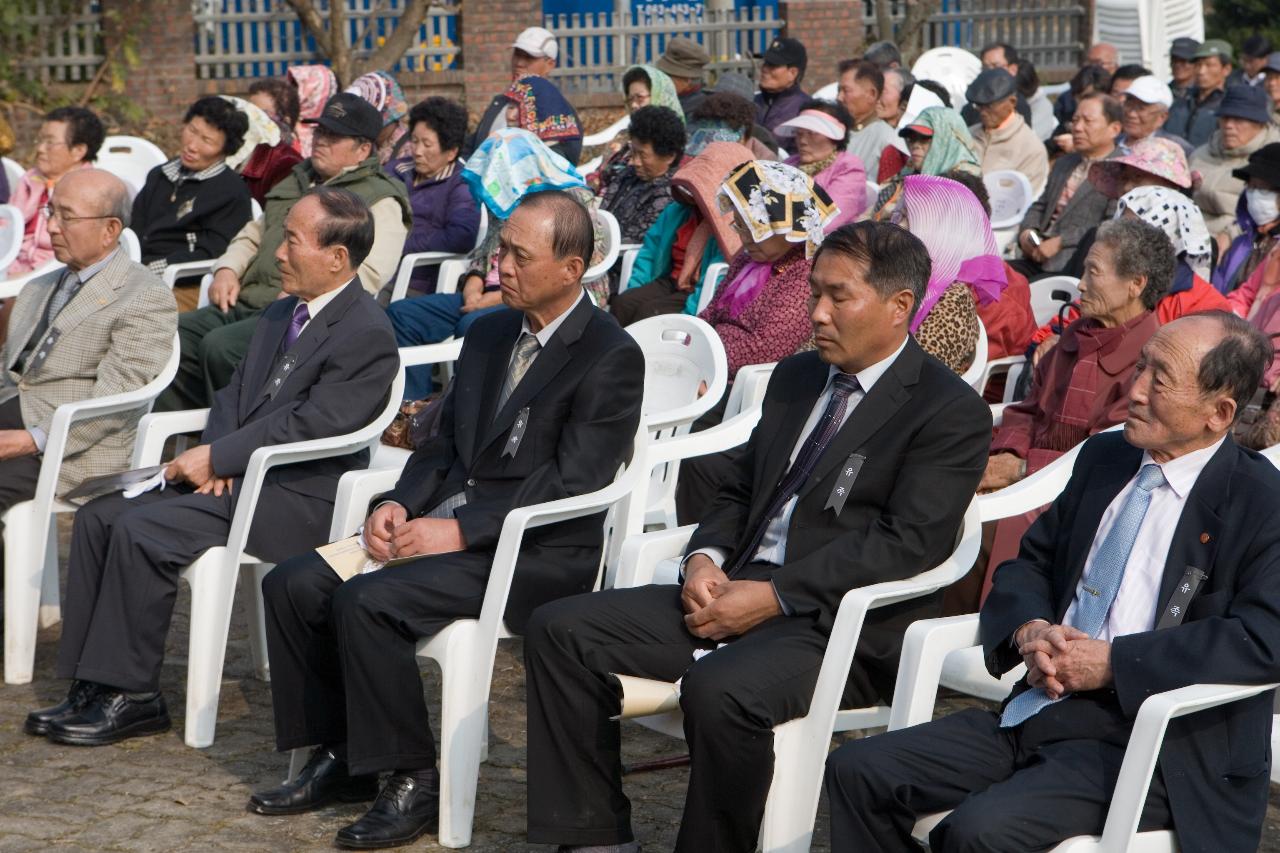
(300, 318)
(823, 431)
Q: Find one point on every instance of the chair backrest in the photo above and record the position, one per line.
(710, 283)
(978, 368)
(748, 388)
(828, 92)
(608, 134)
(953, 67)
(255, 209)
(132, 247)
(450, 272)
(873, 193)
(1011, 194)
(129, 158)
(680, 353)
(12, 227)
(612, 245)
(13, 171)
(1048, 295)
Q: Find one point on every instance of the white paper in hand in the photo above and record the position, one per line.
(156, 482)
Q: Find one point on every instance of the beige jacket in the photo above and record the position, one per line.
(1218, 191)
(115, 335)
(1014, 146)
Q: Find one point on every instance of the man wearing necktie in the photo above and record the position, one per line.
(857, 473)
(319, 364)
(1157, 567)
(544, 404)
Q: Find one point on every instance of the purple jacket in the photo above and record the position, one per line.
(445, 218)
(773, 110)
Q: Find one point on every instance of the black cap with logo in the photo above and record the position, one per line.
(349, 115)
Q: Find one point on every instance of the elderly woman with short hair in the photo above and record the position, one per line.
(191, 207)
(640, 191)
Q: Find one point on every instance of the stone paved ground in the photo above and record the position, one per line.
(156, 794)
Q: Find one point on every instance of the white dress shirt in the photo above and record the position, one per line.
(1135, 605)
(316, 305)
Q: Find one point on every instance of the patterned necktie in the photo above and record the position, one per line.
(522, 356)
(823, 431)
(1104, 582)
(300, 317)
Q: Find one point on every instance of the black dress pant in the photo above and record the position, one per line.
(731, 699)
(1025, 788)
(654, 299)
(18, 476)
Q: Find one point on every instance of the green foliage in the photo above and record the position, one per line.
(1236, 20)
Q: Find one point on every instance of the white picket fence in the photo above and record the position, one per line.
(62, 46)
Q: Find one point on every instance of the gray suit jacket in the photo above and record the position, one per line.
(1087, 210)
(114, 336)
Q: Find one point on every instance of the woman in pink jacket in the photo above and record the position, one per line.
(819, 135)
(69, 139)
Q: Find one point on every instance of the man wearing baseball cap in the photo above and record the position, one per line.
(1182, 59)
(246, 279)
(1194, 118)
(1244, 126)
(781, 97)
(683, 61)
(533, 53)
(1146, 109)
(1004, 139)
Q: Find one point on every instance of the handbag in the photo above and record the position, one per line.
(417, 422)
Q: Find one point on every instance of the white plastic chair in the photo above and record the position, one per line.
(976, 373)
(873, 194)
(629, 252)
(608, 134)
(12, 226)
(13, 171)
(10, 287)
(1142, 30)
(1048, 295)
(213, 575)
(31, 536)
(129, 158)
(710, 283)
(411, 262)
(1011, 195)
(680, 353)
(465, 649)
(132, 248)
(954, 67)
(929, 642)
(191, 269)
(612, 246)
(384, 455)
(828, 92)
(800, 746)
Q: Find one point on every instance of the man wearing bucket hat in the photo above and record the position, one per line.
(1244, 126)
(1192, 118)
(1146, 109)
(1182, 59)
(683, 61)
(533, 53)
(1004, 139)
(1271, 84)
(781, 97)
(246, 279)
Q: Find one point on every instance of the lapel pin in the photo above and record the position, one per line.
(1204, 538)
(102, 302)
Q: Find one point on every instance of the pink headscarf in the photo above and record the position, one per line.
(951, 223)
(316, 84)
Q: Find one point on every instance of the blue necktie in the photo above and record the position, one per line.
(1094, 601)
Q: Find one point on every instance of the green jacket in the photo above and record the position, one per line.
(261, 283)
(654, 258)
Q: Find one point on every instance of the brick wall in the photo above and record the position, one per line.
(831, 30)
(162, 33)
(487, 30)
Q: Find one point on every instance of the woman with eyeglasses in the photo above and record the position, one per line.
(69, 138)
(642, 86)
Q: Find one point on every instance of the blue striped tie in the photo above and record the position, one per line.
(1108, 571)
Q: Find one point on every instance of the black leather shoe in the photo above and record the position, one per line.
(110, 717)
(323, 780)
(404, 810)
(79, 696)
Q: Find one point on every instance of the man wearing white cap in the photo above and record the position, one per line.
(533, 52)
(1146, 107)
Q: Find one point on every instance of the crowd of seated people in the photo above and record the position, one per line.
(1159, 199)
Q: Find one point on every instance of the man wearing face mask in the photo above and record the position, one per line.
(1243, 128)
(1258, 216)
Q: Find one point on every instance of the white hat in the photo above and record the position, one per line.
(1151, 90)
(815, 120)
(536, 41)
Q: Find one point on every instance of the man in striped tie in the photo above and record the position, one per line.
(1157, 567)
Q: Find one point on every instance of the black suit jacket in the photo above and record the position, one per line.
(924, 435)
(341, 372)
(1081, 217)
(583, 392)
(1216, 764)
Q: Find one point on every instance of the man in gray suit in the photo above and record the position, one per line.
(320, 364)
(100, 325)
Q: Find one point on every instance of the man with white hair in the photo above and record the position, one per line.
(533, 53)
(1146, 108)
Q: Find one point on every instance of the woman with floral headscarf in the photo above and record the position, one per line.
(643, 86)
(382, 91)
(537, 106)
(937, 142)
(316, 85)
(761, 309)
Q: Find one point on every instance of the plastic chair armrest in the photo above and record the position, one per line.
(187, 270)
(642, 553)
(925, 646)
(355, 491)
(157, 427)
(411, 262)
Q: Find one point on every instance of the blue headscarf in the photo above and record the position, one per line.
(512, 163)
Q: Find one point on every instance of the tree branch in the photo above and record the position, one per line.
(884, 20)
(913, 24)
(341, 54)
(401, 39)
(310, 18)
(368, 24)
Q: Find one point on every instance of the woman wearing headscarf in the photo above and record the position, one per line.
(821, 135)
(507, 166)
(690, 235)
(643, 86)
(316, 85)
(269, 161)
(382, 91)
(761, 310)
(537, 106)
(937, 142)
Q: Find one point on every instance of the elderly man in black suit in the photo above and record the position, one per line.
(545, 404)
(1157, 567)
(860, 471)
(320, 364)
